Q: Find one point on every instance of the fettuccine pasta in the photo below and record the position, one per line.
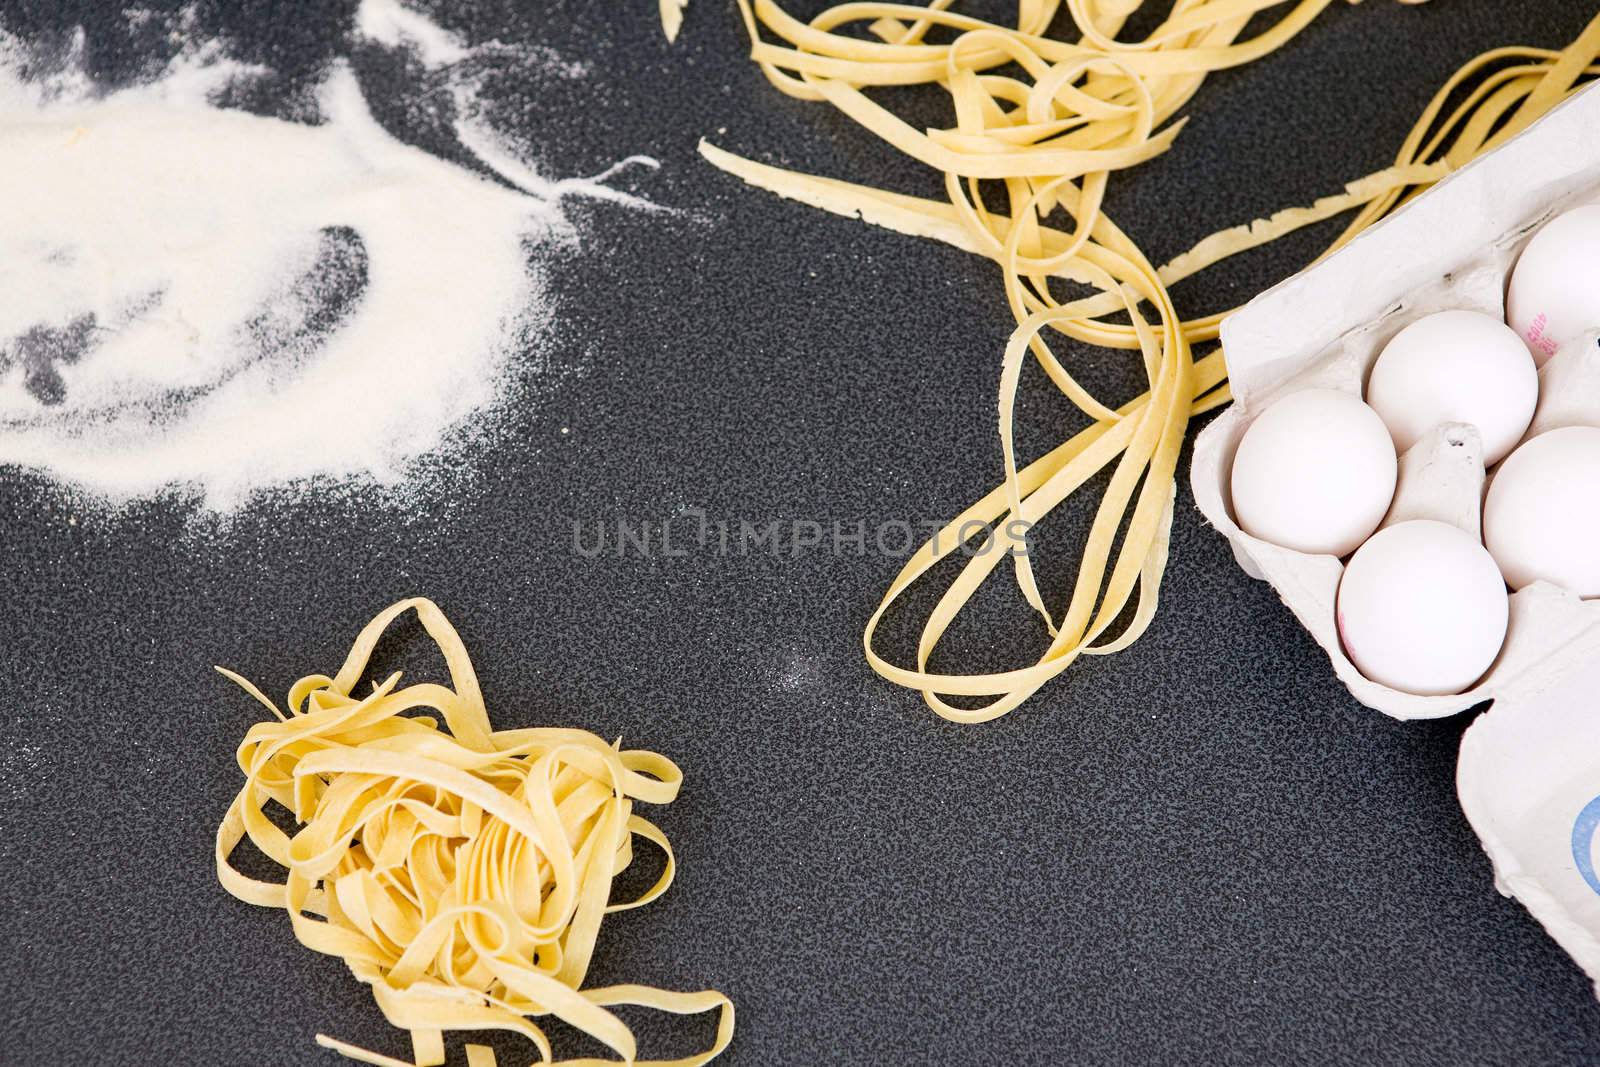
(672, 17)
(1043, 124)
(460, 871)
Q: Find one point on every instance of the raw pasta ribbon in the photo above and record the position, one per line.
(1041, 125)
(460, 871)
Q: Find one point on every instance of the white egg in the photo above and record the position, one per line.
(1315, 472)
(1542, 515)
(1456, 366)
(1423, 609)
(1555, 287)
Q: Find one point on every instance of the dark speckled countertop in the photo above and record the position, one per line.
(1199, 851)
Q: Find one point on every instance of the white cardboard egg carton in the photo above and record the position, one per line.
(1450, 248)
(1529, 772)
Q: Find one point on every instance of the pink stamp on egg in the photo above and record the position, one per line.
(1538, 336)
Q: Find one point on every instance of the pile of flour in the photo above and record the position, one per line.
(206, 298)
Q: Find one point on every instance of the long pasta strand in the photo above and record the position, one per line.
(1049, 140)
(461, 872)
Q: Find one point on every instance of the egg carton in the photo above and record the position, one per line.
(1450, 248)
(1529, 771)
(1529, 782)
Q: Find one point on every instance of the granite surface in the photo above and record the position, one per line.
(1199, 851)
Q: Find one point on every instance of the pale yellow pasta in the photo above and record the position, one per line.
(460, 871)
(1044, 123)
(672, 17)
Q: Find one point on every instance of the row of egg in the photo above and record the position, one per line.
(1423, 605)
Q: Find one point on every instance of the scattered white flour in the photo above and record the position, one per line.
(205, 297)
(388, 22)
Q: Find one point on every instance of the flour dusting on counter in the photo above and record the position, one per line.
(207, 298)
(391, 23)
